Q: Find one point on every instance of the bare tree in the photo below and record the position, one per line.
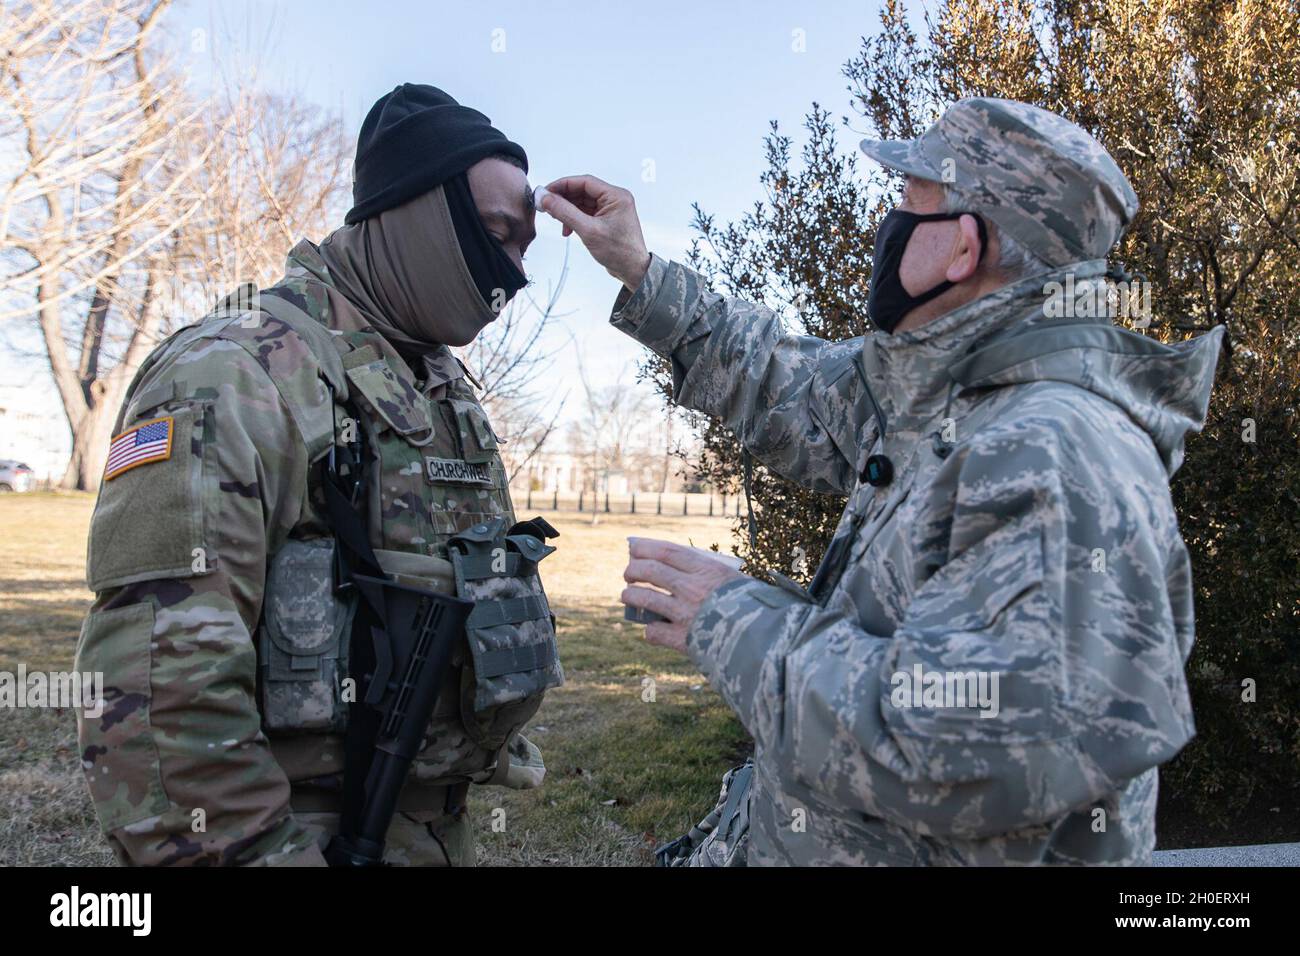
(513, 366)
(133, 201)
(278, 171)
(94, 201)
(667, 457)
(604, 437)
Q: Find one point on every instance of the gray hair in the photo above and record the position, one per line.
(1015, 261)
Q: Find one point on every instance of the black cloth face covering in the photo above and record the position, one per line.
(489, 266)
(889, 302)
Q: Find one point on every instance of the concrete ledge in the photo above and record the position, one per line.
(1262, 854)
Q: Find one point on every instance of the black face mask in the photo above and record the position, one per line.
(488, 263)
(889, 302)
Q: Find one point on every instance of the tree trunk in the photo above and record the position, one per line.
(90, 440)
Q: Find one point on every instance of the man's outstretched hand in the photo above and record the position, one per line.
(687, 576)
(605, 219)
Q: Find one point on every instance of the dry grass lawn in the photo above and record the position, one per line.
(624, 773)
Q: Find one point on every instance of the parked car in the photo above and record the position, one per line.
(15, 476)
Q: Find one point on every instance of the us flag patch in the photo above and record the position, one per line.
(145, 443)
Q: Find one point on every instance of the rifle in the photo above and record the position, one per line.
(411, 652)
(399, 669)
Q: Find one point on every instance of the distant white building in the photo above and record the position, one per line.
(568, 473)
(551, 471)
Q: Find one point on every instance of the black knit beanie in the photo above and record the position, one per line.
(415, 139)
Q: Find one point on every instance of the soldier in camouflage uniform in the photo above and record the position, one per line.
(1006, 451)
(217, 627)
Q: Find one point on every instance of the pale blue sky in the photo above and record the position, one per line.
(585, 87)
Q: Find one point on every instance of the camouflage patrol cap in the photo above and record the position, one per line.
(1039, 177)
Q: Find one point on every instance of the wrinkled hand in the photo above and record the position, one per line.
(687, 575)
(605, 219)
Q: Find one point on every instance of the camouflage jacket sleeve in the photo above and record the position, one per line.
(794, 401)
(178, 766)
(1090, 688)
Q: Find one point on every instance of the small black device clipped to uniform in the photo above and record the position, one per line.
(878, 471)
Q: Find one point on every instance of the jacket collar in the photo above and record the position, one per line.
(908, 371)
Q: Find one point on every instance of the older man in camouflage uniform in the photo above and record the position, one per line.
(988, 666)
(219, 627)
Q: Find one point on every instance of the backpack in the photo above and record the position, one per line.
(722, 837)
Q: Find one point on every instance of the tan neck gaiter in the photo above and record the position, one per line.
(404, 271)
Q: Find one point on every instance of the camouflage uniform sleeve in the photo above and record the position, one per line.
(794, 401)
(1090, 687)
(177, 764)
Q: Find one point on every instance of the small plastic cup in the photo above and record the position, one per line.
(641, 616)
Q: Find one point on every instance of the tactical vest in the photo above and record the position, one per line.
(439, 515)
